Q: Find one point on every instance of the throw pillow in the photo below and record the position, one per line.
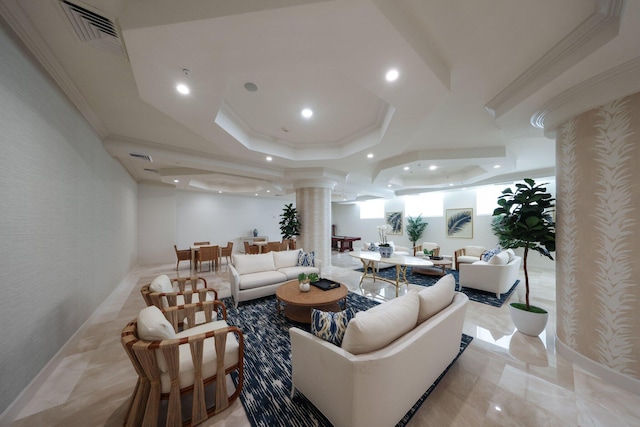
(331, 326)
(434, 298)
(306, 260)
(161, 284)
(373, 247)
(153, 326)
(487, 255)
(501, 258)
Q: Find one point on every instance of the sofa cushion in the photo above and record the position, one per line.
(246, 264)
(306, 259)
(488, 254)
(292, 272)
(375, 328)
(501, 258)
(468, 259)
(330, 326)
(161, 284)
(511, 254)
(286, 258)
(435, 298)
(153, 326)
(263, 278)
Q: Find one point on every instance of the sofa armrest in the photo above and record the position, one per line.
(234, 282)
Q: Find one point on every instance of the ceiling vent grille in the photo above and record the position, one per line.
(94, 29)
(152, 170)
(144, 157)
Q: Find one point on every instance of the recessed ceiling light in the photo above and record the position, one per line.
(183, 89)
(392, 75)
(406, 168)
(451, 184)
(433, 167)
(256, 194)
(496, 166)
(306, 113)
(251, 87)
(176, 181)
(269, 158)
(268, 191)
(220, 191)
(388, 185)
(370, 156)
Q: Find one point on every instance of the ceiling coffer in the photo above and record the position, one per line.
(92, 28)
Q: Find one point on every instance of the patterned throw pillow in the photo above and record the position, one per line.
(487, 255)
(331, 326)
(306, 260)
(373, 247)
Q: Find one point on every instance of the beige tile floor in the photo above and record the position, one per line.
(504, 378)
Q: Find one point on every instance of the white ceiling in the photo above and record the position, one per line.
(472, 75)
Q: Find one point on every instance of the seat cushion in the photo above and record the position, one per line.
(209, 359)
(153, 326)
(285, 259)
(256, 280)
(331, 326)
(434, 298)
(466, 259)
(292, 272)
(161, 284)
(379, 326)
(245, 264)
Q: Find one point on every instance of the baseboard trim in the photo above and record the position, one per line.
(625, 382)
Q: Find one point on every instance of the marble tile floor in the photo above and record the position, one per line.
(504, 378)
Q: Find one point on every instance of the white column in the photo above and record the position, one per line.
(313, 202)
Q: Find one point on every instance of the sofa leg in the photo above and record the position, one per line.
(497, 295)
(293, 390)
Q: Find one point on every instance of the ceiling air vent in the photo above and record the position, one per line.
(152, 170)
(94, 29)
(144, 157)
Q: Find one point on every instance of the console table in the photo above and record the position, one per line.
(343, 243)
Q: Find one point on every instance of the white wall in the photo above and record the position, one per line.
(67, 220)
(169, 216)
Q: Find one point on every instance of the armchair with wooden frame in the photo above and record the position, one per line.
(226, 251)
(434, 248)
(182, 255)
(173, 363)
(164, 292)
(468, 255)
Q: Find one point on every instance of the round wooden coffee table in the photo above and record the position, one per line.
(298, 304)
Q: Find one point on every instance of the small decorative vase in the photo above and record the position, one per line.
(386, 251)
(255, 232)
(304, 287)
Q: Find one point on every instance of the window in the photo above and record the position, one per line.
(427, 204)
(372, 209)
(487, 198)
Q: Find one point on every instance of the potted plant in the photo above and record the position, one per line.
(384, 247)
(523, 220)
(303, 282)
(289, 224)
(415, 228)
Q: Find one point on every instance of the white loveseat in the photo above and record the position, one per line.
(496, 275)
(398, 250)
(389, 357)
(259, 275)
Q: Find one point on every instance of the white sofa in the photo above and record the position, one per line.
(399, 250)
(496, 275)
(259, 275)
(390, 356)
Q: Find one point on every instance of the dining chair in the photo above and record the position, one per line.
(211, 254)
(271, 246)
(226, 252)
(182, 255)
(201, 243)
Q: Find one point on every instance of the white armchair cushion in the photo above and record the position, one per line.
(501, 258)
(511, 254)
(475, 251)
(375, 328)
(286, 258)
(246, 264)
(153, 326)
(434, 298)
(161, 284)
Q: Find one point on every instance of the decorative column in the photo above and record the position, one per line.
(598, 220)
(313, 202)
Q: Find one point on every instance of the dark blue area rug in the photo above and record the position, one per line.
(267, 365)
(427, 280)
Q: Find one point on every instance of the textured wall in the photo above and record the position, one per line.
(67, 220)
(314, 210)
(598, 178)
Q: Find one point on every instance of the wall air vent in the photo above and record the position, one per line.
(144, 157)
(94, 29)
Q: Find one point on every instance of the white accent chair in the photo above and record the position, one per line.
(468, 255)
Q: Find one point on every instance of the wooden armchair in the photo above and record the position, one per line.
(209, 254)
(468, 255)
(174, 364)
(429, 246)
(182, 255)
(163, 292)
(226, 252)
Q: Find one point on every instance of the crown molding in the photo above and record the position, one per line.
(610, 85)
(599, 28)
(17, 19)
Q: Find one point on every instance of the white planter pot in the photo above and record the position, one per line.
(304, 287)
(528, 323)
